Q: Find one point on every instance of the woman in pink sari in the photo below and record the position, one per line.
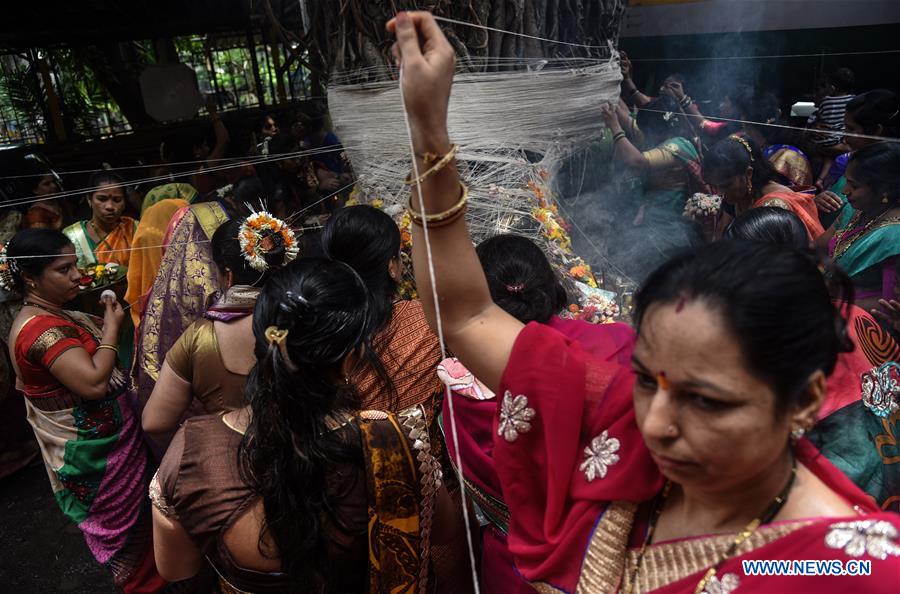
(672, 476)
(521, 282)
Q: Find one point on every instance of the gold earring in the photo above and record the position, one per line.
(749, 187)
(884, 199)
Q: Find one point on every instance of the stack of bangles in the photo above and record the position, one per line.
(436, 163)
(685, 102)
(439, 219)
(110, 347)
(618, 136)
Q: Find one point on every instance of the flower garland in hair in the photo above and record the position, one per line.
(8, 268)
(255, 236)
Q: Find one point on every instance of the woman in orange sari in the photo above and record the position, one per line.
(736, 170)
(105, 238)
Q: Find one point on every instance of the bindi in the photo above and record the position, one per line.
(663, 381)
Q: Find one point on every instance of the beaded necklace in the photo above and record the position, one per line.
(770, 512)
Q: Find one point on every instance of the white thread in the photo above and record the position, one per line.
(486, 28)
(688, 59)
(237, 161)
(168, 245)
(440, 334)
(783, 126)
(168, 176)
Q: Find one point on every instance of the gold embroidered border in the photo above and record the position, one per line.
(604, 560)
(669, 562)
(46, 340)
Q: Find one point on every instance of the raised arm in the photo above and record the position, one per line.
(623, 150)
(476, 330)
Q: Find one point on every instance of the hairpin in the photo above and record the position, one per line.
(517, 288)
(276, 335)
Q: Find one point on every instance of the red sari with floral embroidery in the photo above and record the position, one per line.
(578, 480)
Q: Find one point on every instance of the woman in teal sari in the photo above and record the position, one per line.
(865, 240)
(670, 169)
(876, 113)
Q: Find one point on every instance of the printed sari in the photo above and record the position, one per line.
(115, 247)
(393, 500)
(181, 291)
(409, 351)
(178, 190)
(473, 407)
(802, 205)
(578, 478)
(791, 164)
(868, 254)
(675, 174)
(93, 450)
(858, 429)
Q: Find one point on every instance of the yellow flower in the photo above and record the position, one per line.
(377, 203)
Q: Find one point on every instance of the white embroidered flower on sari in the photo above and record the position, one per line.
(878, 538)
(599, 456)
(727, 584)
(514, 417)
(881, 389)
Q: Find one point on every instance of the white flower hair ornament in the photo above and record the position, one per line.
(260, 234)
(8, 268)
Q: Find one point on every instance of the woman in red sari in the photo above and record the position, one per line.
(76, 402)
(667, 477)
(736, 170)
(521, 282)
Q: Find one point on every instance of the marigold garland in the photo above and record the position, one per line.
(255, 233)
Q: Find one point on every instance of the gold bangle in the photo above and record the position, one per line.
(451, 154)
(441, 218)
(108, 346)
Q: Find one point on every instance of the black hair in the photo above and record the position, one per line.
(677, 77)
(876, 108)
(520, 278)
(367, 239)
(33, 171)
(842, 79)
(878, 167)
(261, 121)
(249, 190)
(40, 246)
(769, 224)
(764, 109)
(655, 124)
(105, 177)
(289, 452)
(282, 143)
(741, 96)
(226, 253)
(773, 299)
(729, 158)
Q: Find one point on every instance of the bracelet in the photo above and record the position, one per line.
(618, 136)
(440, 164)
(685, 102)
(112, 348)
(441, 218)
(634, 92)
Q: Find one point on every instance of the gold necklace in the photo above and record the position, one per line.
(842, 244)
(767, 516)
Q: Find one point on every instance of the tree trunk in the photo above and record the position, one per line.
(348, 36)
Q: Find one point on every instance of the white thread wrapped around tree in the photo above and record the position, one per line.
(514, 130)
